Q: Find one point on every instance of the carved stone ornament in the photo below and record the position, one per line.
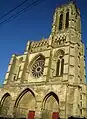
(37, 68)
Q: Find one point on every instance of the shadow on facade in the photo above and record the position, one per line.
(58, 118)
(76, 118)
(10, 118)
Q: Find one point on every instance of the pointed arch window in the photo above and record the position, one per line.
(62, 66)
(15, 78)
(61, 22)
(59, 55)
(57, 68)
(18, 71)
(67, 19)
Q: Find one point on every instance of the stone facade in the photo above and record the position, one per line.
(50, 76)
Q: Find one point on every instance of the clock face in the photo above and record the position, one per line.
(37, 68)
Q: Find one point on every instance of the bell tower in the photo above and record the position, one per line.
(68, 61)
(66, 19)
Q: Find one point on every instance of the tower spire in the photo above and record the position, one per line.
(74, 1)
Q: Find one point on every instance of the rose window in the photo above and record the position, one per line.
(37, 68)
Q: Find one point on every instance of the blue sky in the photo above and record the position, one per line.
(31, 25)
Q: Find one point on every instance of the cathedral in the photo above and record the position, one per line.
(48, 81)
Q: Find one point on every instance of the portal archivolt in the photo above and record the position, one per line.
(24, 103)
(50, 105)
(5, 104)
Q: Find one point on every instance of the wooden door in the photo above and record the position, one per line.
(31, 114)
(55, 115)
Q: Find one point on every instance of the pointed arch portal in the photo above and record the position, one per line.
(5, 104)
(51, 106)
(25, 105)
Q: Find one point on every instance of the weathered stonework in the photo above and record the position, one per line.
(58, 82)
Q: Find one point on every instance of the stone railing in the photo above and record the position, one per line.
(39, 45)
(60, 40)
